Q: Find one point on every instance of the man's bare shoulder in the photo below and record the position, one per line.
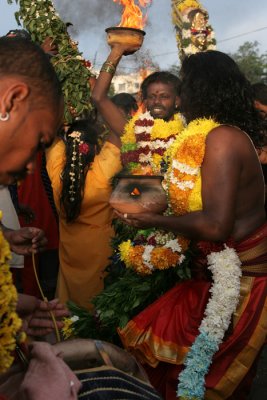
(227, 135)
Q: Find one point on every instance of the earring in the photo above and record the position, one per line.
(4, 117)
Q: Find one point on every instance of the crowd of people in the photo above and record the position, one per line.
(205, 134)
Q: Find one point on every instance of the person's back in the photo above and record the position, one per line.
(240, 162)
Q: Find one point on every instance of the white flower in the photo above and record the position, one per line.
(174, 245)
(225, 267)
(145, 158)
(184, 168)
(74, 318)
(182, 185)
(142, 129)
(147, 256)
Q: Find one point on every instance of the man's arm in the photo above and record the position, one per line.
(112, 115)
(221, 175)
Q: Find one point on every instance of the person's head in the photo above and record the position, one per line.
(260, 98)
(31, 105)
(22, 33)
(212, 86)
(126, 102)
(81, 143)
(160, 94)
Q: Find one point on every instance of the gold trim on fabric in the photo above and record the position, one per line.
(246, 283)
(242, 363)
(254, 252)
(152, 349)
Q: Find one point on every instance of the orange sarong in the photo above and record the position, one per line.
(162, 334)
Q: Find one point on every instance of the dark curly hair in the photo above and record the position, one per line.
(76, 166)
(214, 87)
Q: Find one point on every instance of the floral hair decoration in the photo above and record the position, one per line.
(78, 148)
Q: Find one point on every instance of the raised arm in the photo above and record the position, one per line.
(112, 115)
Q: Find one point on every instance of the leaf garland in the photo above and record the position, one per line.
(41, 20)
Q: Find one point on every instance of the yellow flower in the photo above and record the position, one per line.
(182, 5)
(188, 149)
(124, 249)
(129, 135)
(10, 323)
(67, 329)
(163, 129)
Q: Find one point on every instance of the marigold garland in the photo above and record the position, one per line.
(145, 141)
(186, 155)
(10, 323)
(144, 145)
(158, 249)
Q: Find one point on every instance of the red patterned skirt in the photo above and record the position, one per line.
(162, 334)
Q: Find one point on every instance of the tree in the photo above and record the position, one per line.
(251, 62)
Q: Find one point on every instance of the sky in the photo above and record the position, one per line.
(234, 22)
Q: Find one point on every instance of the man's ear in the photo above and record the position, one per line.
(13, 95)
(177, 102)
(257, 104)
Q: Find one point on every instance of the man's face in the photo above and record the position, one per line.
(22, 136)
(161, 100)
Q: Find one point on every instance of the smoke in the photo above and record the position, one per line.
(90, 18)
(85, 15)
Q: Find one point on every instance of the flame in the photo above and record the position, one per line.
(135, 192)
(132, 16)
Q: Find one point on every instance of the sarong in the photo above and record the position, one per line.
(163, 333)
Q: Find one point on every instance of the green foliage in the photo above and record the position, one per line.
(40, 19)
(251, 62)
(126, 294)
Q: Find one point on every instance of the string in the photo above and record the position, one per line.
(45, 299)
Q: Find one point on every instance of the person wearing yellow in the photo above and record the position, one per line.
(81, 182)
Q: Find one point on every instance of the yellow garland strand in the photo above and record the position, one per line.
(160, 130)
(10, 323)
(189, 150)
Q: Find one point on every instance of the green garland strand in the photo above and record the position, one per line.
(41, 20)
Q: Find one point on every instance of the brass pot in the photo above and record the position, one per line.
(127, 36)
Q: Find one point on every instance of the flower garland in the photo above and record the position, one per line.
(10, 323)
(184, 187)
(185, 31)
(76, 155)
(225, 266)
(183, 181)
(156, 249)
(41, 20)
(144, 145)
(145, 141)
(159, 250)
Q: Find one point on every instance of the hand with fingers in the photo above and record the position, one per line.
(26, 240)
(36, 315)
